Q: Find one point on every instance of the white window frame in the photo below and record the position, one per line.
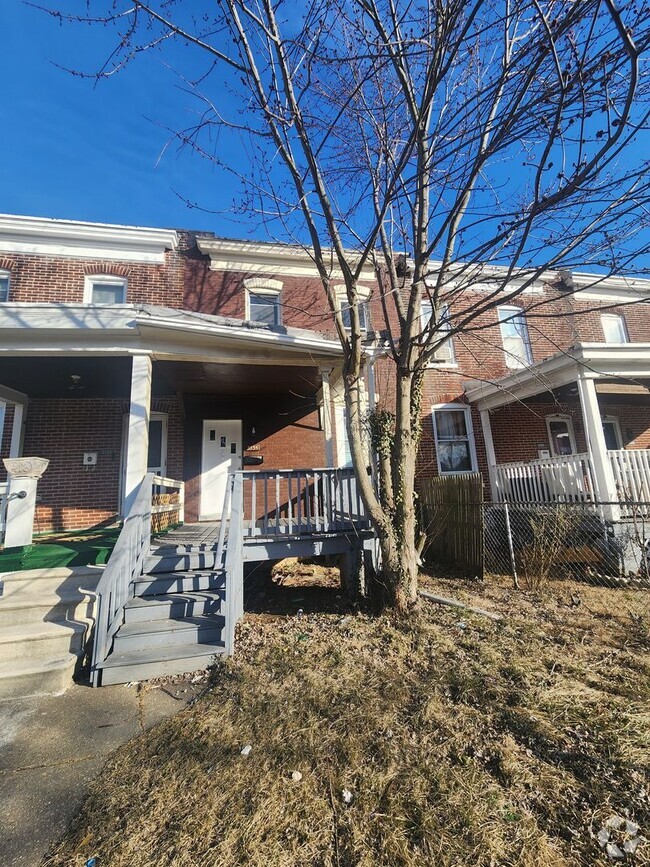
(469, 427)
(6, 275)
(445, 355)
(341, 298)
(572, 436)
(262, 286)
(613, 420)
(513, 312)
(622, 328)
(92, 280)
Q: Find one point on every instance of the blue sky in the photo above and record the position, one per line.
(73, 150)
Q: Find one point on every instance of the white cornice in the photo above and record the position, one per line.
(70, 238)
(591, 359)
(254, 257)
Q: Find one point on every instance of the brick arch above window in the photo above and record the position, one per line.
(106, 269)
(7, 264)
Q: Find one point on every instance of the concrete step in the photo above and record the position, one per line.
(160, 583)
(157, 662)
(173, 606)
(30, 608)
(41, 641)
(164, 634)
(170, 560)
(28, 677)
(50, 582)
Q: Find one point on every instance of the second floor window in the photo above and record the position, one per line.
(4, 286)
(514, 337)
(614, 328)
(105, 289)
(264, 307)
(445, 352)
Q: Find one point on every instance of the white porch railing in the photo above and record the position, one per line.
(125, 563)
(566, 479)
(4, 490)
(631, 468)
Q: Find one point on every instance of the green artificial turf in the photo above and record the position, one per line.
(70, 549)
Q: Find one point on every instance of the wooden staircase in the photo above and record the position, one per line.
(174, 622)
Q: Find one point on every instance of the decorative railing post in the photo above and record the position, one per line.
(23, 474)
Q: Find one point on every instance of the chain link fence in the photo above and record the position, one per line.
(604, 544)
(588, 542)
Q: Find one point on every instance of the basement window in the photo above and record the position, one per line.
(105, 289)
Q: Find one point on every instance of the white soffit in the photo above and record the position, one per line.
(72, 239)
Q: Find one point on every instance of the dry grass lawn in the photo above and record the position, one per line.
(459, 740)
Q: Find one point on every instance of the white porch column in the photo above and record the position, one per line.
(3, 409)
(16, 444)
(327, 416)
(137, 444)
(486, 427)
(605, 486)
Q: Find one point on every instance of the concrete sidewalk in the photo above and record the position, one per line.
(52, 747)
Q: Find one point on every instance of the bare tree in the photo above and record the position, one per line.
(431, 140)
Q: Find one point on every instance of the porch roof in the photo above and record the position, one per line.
(595, 360)
(37, 328)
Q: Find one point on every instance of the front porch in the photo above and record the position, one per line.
(574, 428)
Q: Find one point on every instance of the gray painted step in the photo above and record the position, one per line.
(172, 561)
(163, 634)
(179, 582)
(173, 606)
(133, 666)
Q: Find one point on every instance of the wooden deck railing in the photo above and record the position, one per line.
(125, 563)
(299, 502)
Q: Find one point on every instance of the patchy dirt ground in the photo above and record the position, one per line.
(440, 739)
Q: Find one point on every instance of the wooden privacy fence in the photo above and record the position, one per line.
(451, 516)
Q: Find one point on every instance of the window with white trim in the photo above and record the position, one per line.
(561, 435)
(454, 438)
(4, 286)
(612, 433)
(514, 337)
(263, 301)
(614, 328)
(104, 289)
(363, 294)
(445, 352)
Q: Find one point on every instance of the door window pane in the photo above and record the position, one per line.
(154, 459)
(561, 438)
(514, 336)
(264, 308)
(610, 429)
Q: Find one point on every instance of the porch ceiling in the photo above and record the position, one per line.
(236, 379)
(68, 377)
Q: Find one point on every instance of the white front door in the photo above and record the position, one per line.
(221, 454)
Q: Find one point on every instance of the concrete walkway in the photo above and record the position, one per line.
(52, 747)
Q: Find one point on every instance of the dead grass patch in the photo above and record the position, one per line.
(463, 742)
